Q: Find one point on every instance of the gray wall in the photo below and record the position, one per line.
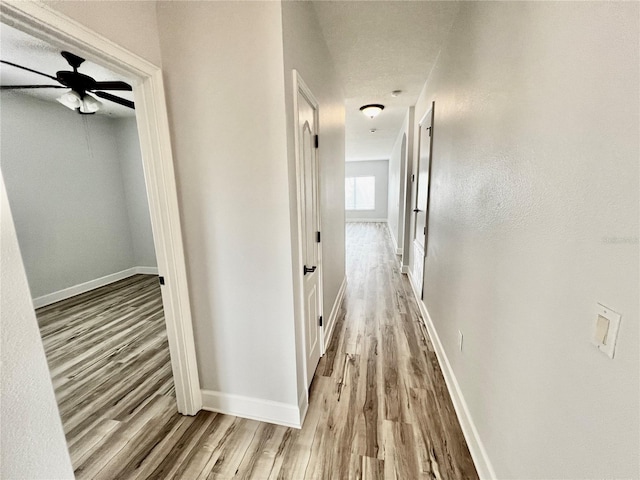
(534, 219)
(228, 123)
(380, 170)
(32, 443)
(128, 146)
(66, 187)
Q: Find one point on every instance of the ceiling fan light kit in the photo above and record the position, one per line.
(86, 104)
(371, 110)
(82, 87)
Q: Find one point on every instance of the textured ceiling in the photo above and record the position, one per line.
(22, 49)
(378, 47)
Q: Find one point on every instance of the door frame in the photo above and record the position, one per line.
(54, 27)
(299, 86)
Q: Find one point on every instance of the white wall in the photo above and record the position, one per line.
(32, 443)
(128, 151)
(398, 183)
(393, 201)
(535, 219)
(129, 23)
(409, 201)
(224, 76)
(370, 168)
(306, 51)
(64, 180)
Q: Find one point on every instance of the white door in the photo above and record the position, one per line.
(310, 227)
(421, 209)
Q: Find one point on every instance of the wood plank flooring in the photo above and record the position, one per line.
(379, 405)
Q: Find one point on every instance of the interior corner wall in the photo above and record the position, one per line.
(64, 182)
(137, 201)
(370, 168)
(32, 442)
(224, 78)
(306, 51)
(534, 221)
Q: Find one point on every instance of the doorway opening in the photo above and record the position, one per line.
(150, 122)
(78, 199)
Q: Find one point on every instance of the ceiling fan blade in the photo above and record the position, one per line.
(112, 86)
(113, 98)
(18, 87)
(28, 69)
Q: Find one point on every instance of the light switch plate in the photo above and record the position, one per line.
(605, 330)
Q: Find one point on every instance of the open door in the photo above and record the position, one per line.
(308, 204)
(421, 210)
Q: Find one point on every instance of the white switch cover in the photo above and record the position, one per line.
(605, 330)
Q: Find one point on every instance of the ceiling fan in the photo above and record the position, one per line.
(82, 87)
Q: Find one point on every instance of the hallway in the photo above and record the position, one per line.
(379, 404)
(385, 406)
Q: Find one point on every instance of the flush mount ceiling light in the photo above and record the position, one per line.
(86, 103)
(372, 110)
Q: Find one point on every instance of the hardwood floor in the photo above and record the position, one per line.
(379, 405)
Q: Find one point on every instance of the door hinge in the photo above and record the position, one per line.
(320, 320)
(413, 178)
(429, 128)
(424, 230)
(316, 142)
(161, 280)
(318, 237)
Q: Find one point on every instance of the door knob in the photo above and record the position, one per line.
(309, 269)
(416, 210)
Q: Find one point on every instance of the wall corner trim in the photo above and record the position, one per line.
(278, 413)
(331, 321)
(471, 435)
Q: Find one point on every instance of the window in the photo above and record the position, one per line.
(360, 193)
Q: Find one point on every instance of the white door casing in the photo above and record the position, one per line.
(306, 123)
(421, 210)
(43, 22)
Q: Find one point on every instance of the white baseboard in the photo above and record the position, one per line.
(69, 292)
(146, 270)
(366, 220)
(474, 442)
(331, 321)
(393, 238)
(252, 408)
